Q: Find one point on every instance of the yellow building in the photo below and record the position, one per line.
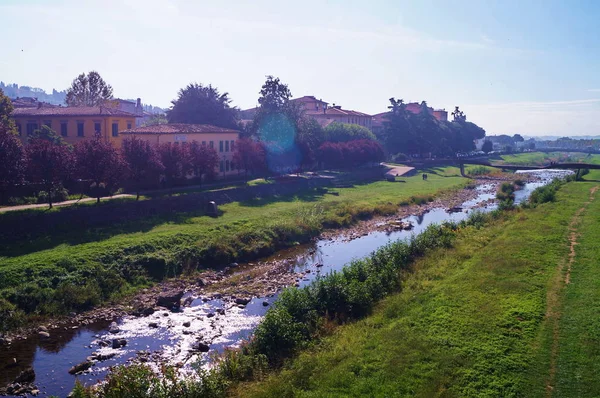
(75, 123)
(221, 139)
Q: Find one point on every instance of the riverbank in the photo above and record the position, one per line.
(104, 264)
(489, 316)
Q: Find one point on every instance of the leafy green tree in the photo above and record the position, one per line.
(100, 162)
(458, 115)
(47, 134)
(48, 164)
(342, 132)
(6, 109)
(274, 95)
(487, 146)
(198, 104)
(141, 161)
(518, 138)
(12, 160)
(88, 90)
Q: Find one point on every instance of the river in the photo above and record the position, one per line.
(171, 336)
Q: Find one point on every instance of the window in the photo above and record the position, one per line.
(203, 143)
(227, 165)
(221, 167)
(19, 128)
(232, 165)
(129, 124)
(226, 146)
(48, 123)
(220, 146)
(231, 148)
(63, 128)
(97, 128)
(212, 144)
(115, 129)
(79, 128)
(31, 127)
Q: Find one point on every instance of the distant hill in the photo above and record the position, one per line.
(556, 137)
(13, 90)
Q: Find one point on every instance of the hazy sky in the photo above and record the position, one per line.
(522, 66)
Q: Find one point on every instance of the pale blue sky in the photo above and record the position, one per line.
(513, 66)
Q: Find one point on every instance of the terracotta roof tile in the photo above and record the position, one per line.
(71, 111)
(178, 128)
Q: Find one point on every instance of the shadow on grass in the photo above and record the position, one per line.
(312, 196)
(78, 231)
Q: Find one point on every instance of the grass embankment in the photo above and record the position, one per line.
(491, 316)
(544, 158)
(82, 268)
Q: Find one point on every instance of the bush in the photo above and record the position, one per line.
(58, 195)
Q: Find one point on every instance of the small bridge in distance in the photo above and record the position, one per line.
(554, 166)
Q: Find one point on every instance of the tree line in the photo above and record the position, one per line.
(407, 133)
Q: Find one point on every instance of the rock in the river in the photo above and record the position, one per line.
(242, 300)
(187, 324)
(170, 298)
(102, 357)
(26, 376)
(118, 343)
(221, 311)
(114, 328)
(210, 314)
(153, 325)
(42, 329)
(44, 335)
(265, 303)
(200, 346)
(103, 343)
(81, 367)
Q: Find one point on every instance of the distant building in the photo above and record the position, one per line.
(321, 111)
(128, 106)
(29, 102)
(221, 139)
(74, 123)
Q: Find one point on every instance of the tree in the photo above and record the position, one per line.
(6, 109)
(99, 162)
(249, 155)
(141, 160)
(203, 159)
(48, 163)
(398, 132)
(518, 138)
(487, 146)
(274, 95)
(175, 159)
(88, 90)
(458, 115)
(155, 119)
(342, 132)
(12, 161)
(198, 104)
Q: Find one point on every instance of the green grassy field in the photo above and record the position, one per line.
(490, 317)
(543, 158)
(83, 268)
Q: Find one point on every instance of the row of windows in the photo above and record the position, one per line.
(31, 126)
(227, 146)
(226, 165)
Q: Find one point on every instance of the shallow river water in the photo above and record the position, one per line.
(215, 322)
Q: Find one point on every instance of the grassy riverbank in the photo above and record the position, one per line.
(491, 316)
(83, 268)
